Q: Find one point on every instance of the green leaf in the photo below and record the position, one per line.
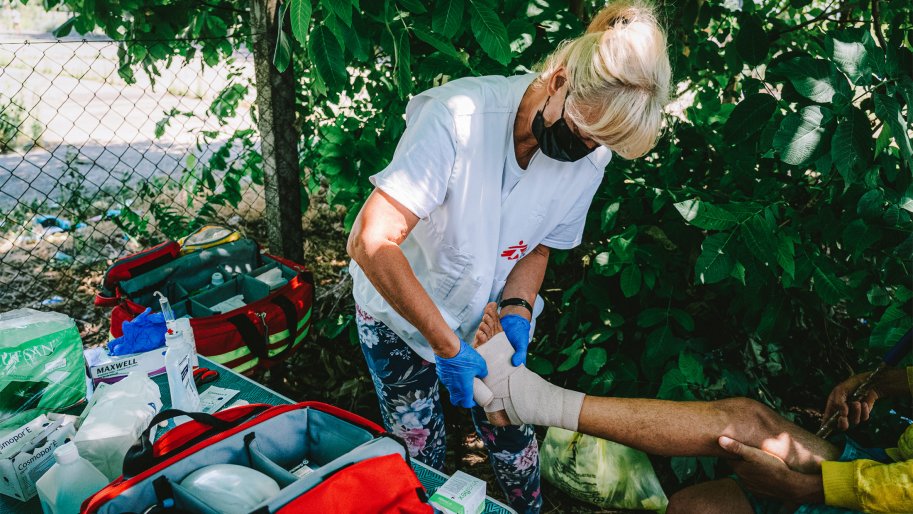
(673, 381)
(301, 18)
(851, 57)
(282, 56)
(752, 42)
(341, 8)
(871, 205)
(683, 318)
(661, 346)
(749, 117)
(572, 360)
(489, 31)
(799, 139)
(594, 361)
(691, 368)
(539, 365)
(414, 6)
(758, 234)
(438, 43)
(715, 262)
(888, 110)
(630, 280)
(652, 316)
(65, 28)
(403, 64)
(816, 79)
(608, 216)
(447, 17)
(851, 143)
(830, 289)
(786, 256)
(684, 467)
(705, 215)
(326, 54)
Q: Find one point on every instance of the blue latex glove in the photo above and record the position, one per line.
(457, 372)
(516, 328)
(145, 332)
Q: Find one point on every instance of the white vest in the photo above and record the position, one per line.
(463, 248)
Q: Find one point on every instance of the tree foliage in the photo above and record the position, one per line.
(763, 247)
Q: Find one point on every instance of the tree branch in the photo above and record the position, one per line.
(824, 14)
(876, 21)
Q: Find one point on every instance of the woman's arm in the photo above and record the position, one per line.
(525, 280)
(380, 227)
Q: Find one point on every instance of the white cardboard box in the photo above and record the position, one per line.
(460, 494)
(20, 471)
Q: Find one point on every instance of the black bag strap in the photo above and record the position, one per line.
(291, 322)
(140, 456)
(253, 339)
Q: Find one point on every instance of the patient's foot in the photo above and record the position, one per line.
(515, 395)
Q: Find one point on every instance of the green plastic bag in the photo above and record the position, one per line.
(606, 474)
(42, 368)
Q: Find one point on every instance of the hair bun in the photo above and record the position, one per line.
(619, 13)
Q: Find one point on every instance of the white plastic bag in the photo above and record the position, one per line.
(601, 472)
(114, 419)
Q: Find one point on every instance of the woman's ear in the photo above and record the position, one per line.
(556, 81)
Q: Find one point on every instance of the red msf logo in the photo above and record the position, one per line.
(515, 252)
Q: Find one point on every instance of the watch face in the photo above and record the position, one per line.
(19, 396)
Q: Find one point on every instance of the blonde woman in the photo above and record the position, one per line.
(490, 174)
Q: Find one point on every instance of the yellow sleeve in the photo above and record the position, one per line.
(868, 485)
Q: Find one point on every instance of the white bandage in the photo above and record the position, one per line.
(523, 395)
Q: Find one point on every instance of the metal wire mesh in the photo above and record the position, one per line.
(93, 167)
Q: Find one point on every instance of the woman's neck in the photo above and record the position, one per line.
(525, 144)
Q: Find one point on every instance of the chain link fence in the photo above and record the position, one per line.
(94, 166)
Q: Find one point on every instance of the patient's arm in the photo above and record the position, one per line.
(514, 395)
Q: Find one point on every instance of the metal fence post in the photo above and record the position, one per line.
(278, 135)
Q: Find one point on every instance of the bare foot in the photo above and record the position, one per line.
(490, 327)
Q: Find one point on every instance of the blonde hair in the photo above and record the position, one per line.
(618, 76)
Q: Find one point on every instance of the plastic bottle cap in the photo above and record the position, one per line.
(67, 453)
(217, 279)
(171, 336)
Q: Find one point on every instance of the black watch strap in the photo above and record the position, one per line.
(516, 301)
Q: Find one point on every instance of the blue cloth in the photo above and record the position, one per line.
(851, 451)
(516, 328)
(408, 391)
(144, 333)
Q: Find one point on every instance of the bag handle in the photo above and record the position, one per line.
(253, 339)
(291, 322)
(141, 457)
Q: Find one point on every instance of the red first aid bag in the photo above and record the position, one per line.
(256, 317)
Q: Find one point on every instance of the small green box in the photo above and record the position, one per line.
(460, 494)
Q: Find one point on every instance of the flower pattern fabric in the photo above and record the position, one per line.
(408, 391)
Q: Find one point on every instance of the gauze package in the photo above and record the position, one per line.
(114, 419)
(41, 365)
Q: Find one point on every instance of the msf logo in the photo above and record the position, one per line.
(515, 252)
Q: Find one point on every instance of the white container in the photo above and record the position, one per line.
(460, 494)
(69, 482)
(216, 280)
(179, 358)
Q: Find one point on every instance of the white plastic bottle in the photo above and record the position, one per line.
(69, 482)
(179, 367)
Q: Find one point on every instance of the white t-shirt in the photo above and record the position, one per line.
(480, 213)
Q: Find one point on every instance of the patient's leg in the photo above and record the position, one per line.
(655, 426)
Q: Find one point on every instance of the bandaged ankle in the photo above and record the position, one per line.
(523, 395)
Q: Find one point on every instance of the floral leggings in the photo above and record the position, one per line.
(409, 394)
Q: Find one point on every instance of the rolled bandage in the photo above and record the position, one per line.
(523, 395)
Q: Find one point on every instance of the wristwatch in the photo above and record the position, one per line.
(516, 301)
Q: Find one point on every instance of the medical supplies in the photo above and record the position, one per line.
(230, 488)
(141, 334)
(41, 365)
(27, 452)
(460, 494)
(114, 419)
(69, 482)
(179, 366)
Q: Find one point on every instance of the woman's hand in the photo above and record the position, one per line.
(457, 373)
(767, 475)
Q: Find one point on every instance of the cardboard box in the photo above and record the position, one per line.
(101, 367)
(460, 494)
(21, 469)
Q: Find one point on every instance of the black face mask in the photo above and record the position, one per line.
(557, 140)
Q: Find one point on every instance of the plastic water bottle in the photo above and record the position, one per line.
(69, 482)
(179, 367)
